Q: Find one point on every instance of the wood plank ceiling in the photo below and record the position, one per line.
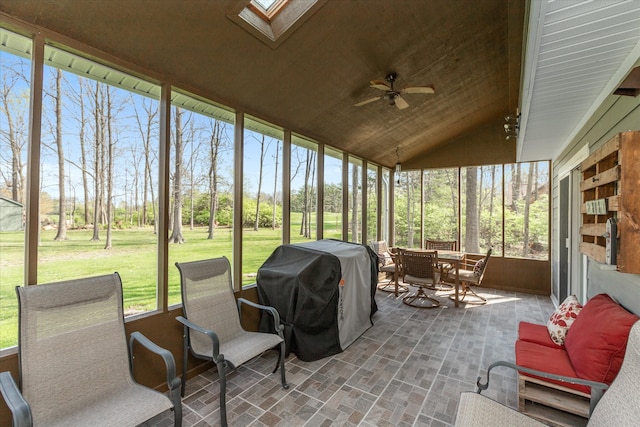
(469, 51)
(577, 55)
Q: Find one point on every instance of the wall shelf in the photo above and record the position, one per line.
(611, 189)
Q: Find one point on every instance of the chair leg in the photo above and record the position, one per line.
(421, 300)
(222, 377)
(177, 408)
(466, 290)
(480, 300)
(281, 362)
(390, 286)
(185, 357)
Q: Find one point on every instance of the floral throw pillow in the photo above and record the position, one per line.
(561, 319)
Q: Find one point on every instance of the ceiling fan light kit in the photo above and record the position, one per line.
(392, 96)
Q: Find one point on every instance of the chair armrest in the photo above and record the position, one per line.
(597, 388)
(271, 310)
(17, 405)
(172, 380)
(212, 335)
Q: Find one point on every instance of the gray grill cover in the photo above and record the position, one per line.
(324, 292)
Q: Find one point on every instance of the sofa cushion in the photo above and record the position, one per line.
(536, 333)
(547, 359)
(597, 340)
(562, 318)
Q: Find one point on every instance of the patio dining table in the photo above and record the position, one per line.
(453, 257)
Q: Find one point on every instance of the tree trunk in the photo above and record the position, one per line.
(214, 149)
(515, 187)
(83, 156)
(275, 189)
(62, 218)
(409, 212)
(257, 222)
(491, 196)
(98, 170)
(109, 178)
(176, 233)
(471, 238)
(527, 204)
(355, 225)
(15, 182)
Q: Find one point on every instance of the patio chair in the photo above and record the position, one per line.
(472, 273)
(75, 366)
(420, 269)
(619, 406)
(444, 267)
(388, 264)
(212, 329)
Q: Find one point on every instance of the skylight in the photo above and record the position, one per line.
(272, 21)
(267, 9)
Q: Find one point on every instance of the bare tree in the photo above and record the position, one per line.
(262, 154)
(275, 187)
(62, 221)
(409, 210)
(215, 142)
(516, 184)
(491, 197)
(145, 134)
(83, 153)
(527, 205)
(309, 172)
(471, 238)
(15, 133)
(109, 178)
(176, 233)
(98, 158)
(355, 194)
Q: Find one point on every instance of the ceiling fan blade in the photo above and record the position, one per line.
(418, 89)
(366, 101)
(400, 102)
(380, 84)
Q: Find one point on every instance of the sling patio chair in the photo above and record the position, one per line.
(619, 405)
(212, 328)
(75, 366)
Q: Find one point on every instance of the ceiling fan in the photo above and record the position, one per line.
(393, 96)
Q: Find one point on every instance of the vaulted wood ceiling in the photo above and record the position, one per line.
(469, 51)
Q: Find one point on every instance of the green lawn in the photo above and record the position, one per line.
(133, 256)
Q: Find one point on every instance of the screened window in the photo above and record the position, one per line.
(262, 198)
(332, 202)
(355, 200)
(526, 210)
(407, 212)
(481, 209)
(440, 191)
(201, 183)
(385, 205)
(15, 64)
(372, 203)
(304, 160)
(99, 177)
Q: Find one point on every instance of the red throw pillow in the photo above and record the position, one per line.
(597, 340)
(562, 319)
